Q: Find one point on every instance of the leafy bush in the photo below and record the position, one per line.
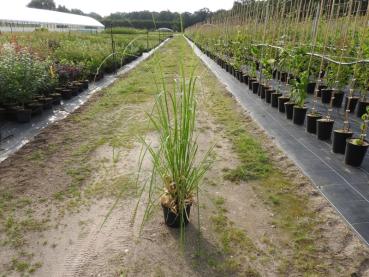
(124, 31)
(22, 75)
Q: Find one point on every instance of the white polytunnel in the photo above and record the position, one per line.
(28, 19)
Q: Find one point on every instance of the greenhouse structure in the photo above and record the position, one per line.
(28, 20)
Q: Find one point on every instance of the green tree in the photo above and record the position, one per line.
(42, 4)
(63, 9)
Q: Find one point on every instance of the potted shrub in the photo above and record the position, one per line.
(351, 101)
(311, 119)
(177, 170)
(267, 72)
(338, 77)
(362, 77)
(326, 95)
(288, 106)
(363, 103)
(311, 88)
(299, 91)
(324, 126)
(356, 148)
(340, 136)
(282, 99)
(20, 80)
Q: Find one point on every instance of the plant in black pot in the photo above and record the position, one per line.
(362, 77)
(356, 148)
(237, 49)
(251, 70)
(313, 116)
(21, 78)
(281, 100)
(324, 126)
(177, 170)
(340, 136)
(338, 77)
(299, 79)
(351, 101)
(268, 64)
(299, 88)
(363, 103)
(311, 119)
(288, 106)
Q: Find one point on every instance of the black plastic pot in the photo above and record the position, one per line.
(173, 220)
(310, 88)
(239, 76)
(66, 94)
(311, 122)
(10, 111)
(320, 88)
(79, 85)
(283, 76)
(100, 76)
(246, 79)
(23, 115)
(232, 71)
(2, 114)
(338, 98)
(354, 154)
(288, 106)
(361, 108)
(47, 103)
(353, 103)
(255, 87)
(274, 99)
(226, 67)
(299, 115)
(263, 89)
(268, 95)
(74, 90)
(340, 137)
(326, 95)
(35, 107)
(251, 81)
(56, 98)
(275, 74)
(324, 129)
(281, 101)
(236, 74)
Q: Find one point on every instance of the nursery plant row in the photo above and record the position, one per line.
(285, 50)
(322, 125)
(41, 69)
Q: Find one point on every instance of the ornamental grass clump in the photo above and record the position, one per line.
(177, 168)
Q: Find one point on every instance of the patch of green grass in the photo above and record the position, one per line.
(20, 266)
(15, 229)
(122, 185)
(23, 265)
(254, 161)
(37, 155)
(233, 240)
(219, 201)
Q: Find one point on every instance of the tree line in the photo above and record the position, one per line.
(140, 20)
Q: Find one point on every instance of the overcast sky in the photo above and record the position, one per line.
(105, 7)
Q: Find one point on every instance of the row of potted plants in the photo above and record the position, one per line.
(292, 103)
(33, 79)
